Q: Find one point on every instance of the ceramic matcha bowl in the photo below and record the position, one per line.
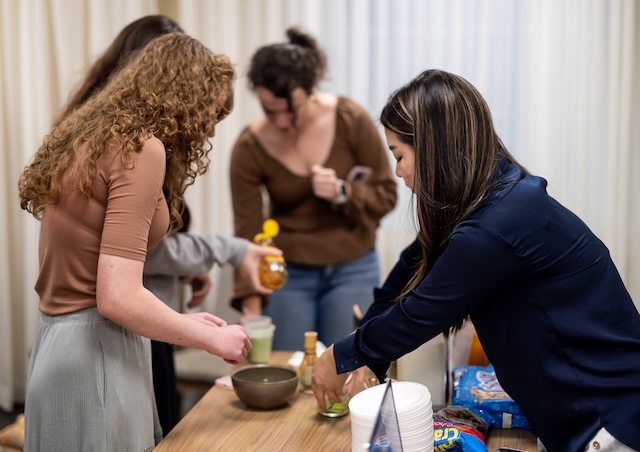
(264, 386)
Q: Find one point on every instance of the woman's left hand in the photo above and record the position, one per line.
(325, 379)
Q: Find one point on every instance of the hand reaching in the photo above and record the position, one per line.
(325, 380)
(230, 342)
(357, 377)
(200, 286)
(248, 268)
(323, 182)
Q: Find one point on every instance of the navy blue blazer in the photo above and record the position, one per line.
(549, 306)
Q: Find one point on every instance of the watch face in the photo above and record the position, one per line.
(341, 192)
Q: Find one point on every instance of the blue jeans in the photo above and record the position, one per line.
(320, 298)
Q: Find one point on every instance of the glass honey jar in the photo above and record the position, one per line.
(272, 270)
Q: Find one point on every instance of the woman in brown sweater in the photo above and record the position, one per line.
(329, 182)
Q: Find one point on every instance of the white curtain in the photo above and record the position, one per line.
(561, 78)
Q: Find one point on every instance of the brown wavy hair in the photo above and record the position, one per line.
(131, 39)
(169, 90)
(447, 123)
(283, 67)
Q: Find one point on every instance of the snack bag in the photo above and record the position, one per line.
(477, 387)
(459, 429)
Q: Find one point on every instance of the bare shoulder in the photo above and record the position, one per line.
(327, 100)
(259, 125)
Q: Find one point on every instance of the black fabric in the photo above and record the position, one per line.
(164, 385)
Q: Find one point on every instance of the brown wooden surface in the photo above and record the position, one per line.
(221, 422)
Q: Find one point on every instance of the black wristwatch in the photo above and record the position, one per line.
(341, 190)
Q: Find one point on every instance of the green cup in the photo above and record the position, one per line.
(261, 342)
(336, 409)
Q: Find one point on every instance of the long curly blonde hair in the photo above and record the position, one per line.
(169, 90)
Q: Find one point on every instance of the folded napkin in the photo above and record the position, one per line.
(224, 382)
(296, 358)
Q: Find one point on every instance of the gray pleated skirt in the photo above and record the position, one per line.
(89, 387)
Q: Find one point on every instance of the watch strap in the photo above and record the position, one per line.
(341, 192)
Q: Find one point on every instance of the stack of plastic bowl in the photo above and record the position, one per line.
(413, 410)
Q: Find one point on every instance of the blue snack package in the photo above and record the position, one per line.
(477, 387)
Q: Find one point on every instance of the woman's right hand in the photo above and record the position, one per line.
(325, 380)
(230, 342)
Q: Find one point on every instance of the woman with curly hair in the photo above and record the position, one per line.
(180, 258)
(108, 184)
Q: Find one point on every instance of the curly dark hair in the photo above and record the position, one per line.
(282, 67)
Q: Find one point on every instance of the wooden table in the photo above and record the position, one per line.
(221, 422)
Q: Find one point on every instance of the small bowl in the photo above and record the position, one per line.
(264, 386)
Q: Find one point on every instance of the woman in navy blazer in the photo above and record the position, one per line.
(549, 306)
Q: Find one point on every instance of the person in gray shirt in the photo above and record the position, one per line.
(185, 258)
